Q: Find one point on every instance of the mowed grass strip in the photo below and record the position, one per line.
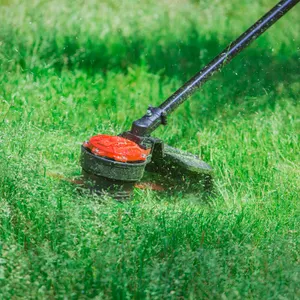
(71, 71)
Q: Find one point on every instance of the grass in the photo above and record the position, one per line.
(71, 71)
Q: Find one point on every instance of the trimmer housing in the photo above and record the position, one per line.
(106, 175)
(103, 174)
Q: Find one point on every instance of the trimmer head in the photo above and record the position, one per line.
(114, 164)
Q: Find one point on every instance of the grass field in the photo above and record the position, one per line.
(72, 69)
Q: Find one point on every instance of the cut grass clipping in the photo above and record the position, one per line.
(71, 71)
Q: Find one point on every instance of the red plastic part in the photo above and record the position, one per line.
(116, 148)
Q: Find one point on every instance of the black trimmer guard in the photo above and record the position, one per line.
(103, 175)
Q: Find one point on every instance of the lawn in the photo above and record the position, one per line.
(72, 69)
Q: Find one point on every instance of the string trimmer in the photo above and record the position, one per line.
(115, 164)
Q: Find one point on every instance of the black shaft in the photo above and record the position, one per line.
(156, 116)
(226, 56)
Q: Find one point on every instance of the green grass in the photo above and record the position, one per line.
(69, 70)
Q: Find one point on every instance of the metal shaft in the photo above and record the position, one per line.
(156, 116)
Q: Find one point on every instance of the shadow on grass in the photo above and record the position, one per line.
(253, 73)
(164, 55)
(172, 59)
